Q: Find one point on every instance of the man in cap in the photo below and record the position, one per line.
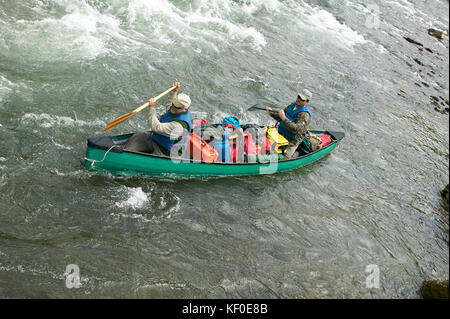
(171, 129)
(294, 121)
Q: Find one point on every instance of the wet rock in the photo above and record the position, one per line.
(402, 93)
(440, 34)
(435, 289)
(445, 196)
(420, 45)
(418, 61)
(442, 110)
(440, 106)
(413, 41)
(434, 99)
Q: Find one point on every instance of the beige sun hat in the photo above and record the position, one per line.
(305, 95)
(182, 100)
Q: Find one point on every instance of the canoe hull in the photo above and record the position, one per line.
(135, 164)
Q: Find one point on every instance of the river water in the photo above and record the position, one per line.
(68, 67)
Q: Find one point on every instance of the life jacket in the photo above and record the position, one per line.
(290, 114)
(167, 142)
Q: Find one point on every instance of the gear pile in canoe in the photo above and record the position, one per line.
(253, 150)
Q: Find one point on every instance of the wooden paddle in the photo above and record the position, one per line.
(125, 117)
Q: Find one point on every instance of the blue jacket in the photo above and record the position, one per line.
(165, 141)
(290, 114)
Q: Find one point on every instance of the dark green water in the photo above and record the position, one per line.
(68, 67)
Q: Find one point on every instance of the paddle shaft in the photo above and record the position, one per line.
(125, 117)
(259, 108)
(140, 108)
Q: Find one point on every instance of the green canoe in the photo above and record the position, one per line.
(105, 153)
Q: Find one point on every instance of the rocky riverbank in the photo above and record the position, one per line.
(431, 81)
(435, 289)
(445, 196)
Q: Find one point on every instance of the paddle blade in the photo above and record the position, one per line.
(128, 115)
(118, 120)
(256, 108)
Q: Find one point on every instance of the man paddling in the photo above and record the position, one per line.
(294, 121)
(171, 129)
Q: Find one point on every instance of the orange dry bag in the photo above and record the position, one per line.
(200, 150)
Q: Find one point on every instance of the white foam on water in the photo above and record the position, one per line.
(174, 209)
(149, 8)
(57, 172)
(60, 145)
(35, 271)
(424, 19)
(229, 31)
(163, 203)
(359, 8)
(137, 198)
(224, 31)
(6, 86)
(210, 18)
(168, 285)
(323, 21)
(5, 83)
(270, 5)
(405, 6)
(244, 33)
(47, 120)
(82, 31)
(90, 31)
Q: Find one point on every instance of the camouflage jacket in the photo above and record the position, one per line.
(299, 126)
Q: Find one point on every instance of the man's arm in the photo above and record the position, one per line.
(171, 96)
(172, 129)
(274, 114)
(300, 125)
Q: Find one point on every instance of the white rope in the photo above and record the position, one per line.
(93, 161)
